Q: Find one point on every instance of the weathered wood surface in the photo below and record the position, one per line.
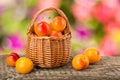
(107, 69)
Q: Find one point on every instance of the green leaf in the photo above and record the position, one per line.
(67, 10)
(97, 28)
(30, 3)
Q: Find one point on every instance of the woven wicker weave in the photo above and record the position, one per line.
(49, 52)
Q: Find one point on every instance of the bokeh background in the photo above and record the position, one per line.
(94, 23)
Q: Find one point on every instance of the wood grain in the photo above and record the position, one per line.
(107, 69)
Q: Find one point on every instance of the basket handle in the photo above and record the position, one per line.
(48, 9)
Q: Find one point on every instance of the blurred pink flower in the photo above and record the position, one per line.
(82, 32)
(103, 13)
(113, 4)
(48, 3)
(14, 42)
(111, 27)
(108, 47)
(81, 9)
(44, 4)
(117, 16)
(1, 10)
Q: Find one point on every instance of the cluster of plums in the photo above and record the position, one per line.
(22, 64)
(52, 29)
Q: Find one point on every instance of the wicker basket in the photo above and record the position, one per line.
(49, 52)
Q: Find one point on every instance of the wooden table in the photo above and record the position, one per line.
(107, 69)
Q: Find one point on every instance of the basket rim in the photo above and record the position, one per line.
(52, 38)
